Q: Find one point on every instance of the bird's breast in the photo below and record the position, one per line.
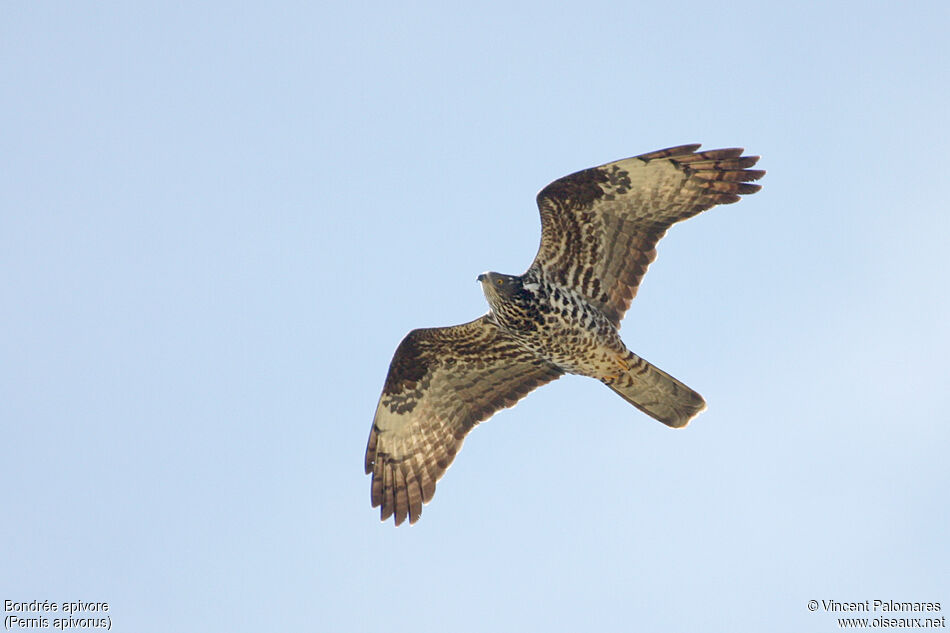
(565, 329)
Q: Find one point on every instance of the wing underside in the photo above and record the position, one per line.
(600, 226)
(441, 383)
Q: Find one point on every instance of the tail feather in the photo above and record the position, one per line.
(657, 394)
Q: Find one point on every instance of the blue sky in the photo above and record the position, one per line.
(220, 220)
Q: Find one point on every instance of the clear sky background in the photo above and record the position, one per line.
(219, 220)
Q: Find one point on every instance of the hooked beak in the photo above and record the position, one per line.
(482, 277)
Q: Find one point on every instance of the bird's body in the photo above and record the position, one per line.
(599, 229)
(557, 324)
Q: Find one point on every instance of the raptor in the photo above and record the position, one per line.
(599, 230)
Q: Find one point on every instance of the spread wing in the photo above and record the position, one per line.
(441, 383)
(600, 226)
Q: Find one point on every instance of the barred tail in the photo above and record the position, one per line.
(656, 393)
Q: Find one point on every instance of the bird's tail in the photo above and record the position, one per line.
(656, 393)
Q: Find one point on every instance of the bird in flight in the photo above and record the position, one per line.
(599, 230)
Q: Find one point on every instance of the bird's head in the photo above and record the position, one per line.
(506, 293)
(503, 285)
(500, 286)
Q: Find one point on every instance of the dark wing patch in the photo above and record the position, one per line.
(441, 383)
(600, 226)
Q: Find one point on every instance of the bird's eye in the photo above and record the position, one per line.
(500, 282)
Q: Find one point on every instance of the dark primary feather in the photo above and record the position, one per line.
(441, 383)
(600, 226)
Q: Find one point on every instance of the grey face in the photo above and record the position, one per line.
(500, 285)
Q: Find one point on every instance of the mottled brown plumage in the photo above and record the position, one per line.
(599, 229)
(600, 226)
(442, 382)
